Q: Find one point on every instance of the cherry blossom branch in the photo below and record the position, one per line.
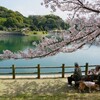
(83, 30)
(69, 5)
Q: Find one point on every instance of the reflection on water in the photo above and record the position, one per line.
(16, 43)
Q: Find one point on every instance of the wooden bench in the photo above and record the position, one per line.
(96, 78)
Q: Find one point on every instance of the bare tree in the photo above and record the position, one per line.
(84, 29)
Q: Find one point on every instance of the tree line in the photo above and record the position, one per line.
(15, 21)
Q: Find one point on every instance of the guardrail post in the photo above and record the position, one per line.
(13, 71)
(86, 68)
(38, 66)
(63, 70)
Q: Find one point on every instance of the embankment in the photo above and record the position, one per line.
(4, 33)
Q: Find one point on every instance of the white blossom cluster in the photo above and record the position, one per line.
(83, 30)
(70, 41)
(81, 6)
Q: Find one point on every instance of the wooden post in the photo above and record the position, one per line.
(13, 71)
(86, 69)
(38, 66)
(63, 70)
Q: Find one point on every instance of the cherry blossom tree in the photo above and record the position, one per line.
(84, 20)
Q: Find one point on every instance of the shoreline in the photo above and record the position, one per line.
(19, 33)
(7, 33)
(34, 76)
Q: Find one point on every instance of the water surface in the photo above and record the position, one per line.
(90, 55)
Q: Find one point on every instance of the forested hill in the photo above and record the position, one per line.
(15, 21)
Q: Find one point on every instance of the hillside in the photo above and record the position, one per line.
(15, 21)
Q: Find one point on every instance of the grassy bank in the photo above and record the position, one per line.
(5, 33)
(42, 89)
(29, 33)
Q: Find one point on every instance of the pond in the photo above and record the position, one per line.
(90, 55)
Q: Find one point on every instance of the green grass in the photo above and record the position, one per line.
(29, 33)
(35, 33)
(64, 96)
(44, 90)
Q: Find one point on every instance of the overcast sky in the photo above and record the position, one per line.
(30, 7)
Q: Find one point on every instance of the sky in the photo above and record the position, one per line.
(30, 7)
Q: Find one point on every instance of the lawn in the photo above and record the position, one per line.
(42, 89)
